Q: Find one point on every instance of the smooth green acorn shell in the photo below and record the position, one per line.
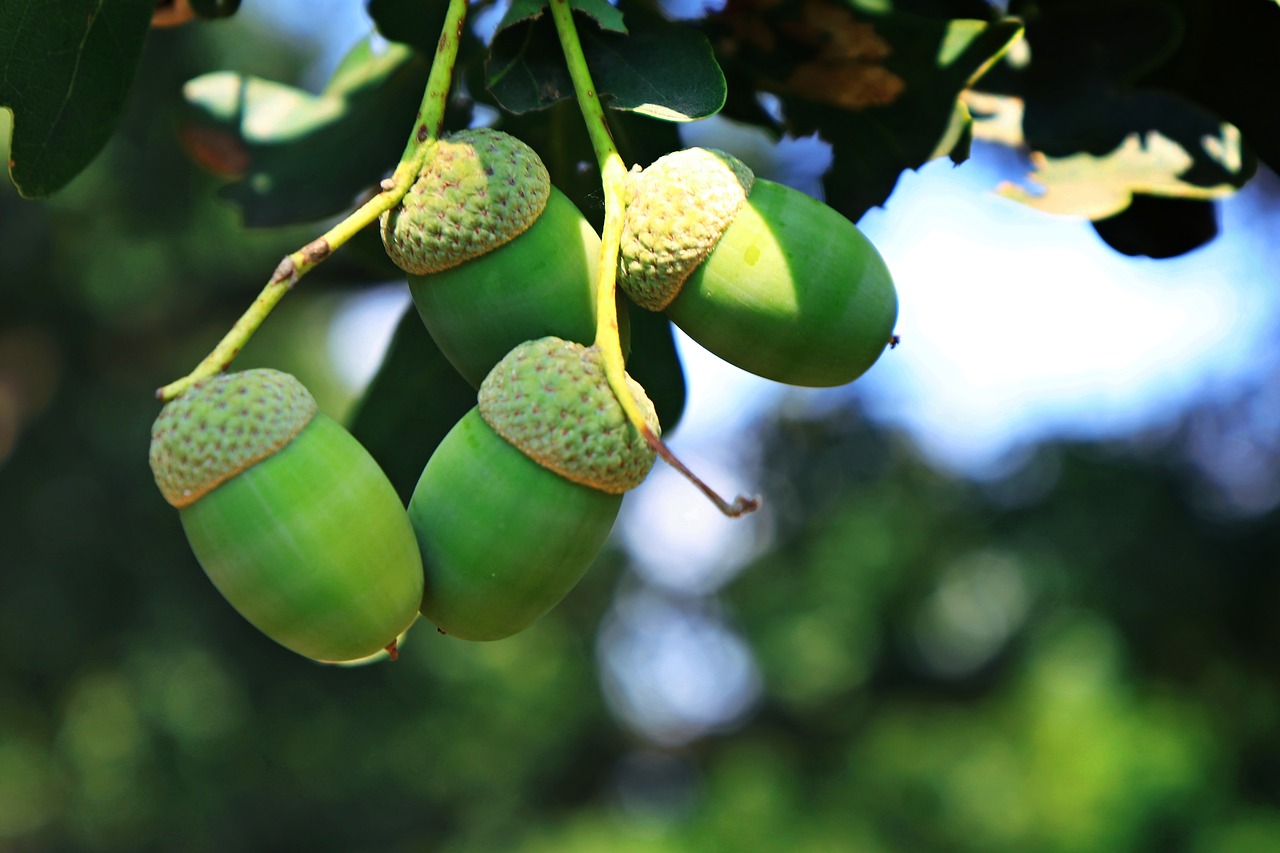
(312, 546)
(503, 539)
(792, 292)
(541, 283)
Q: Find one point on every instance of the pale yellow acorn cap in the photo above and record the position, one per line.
(676, 210)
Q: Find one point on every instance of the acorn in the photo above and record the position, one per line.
(288, 515)
(518, 499)
(495, 254)
(764, 276)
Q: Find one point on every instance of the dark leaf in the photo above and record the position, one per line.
(414, 22)
(1160, 227)
(606, 16)
(560, 138)
(1230, 63)
(65, 70)
(656, 365)
(295, 156)
(411, 404)
(662, 70)
(215, 8)
(1081, 88)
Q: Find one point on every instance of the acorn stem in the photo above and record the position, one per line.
(294, 266)
(613, 176)
(430, 118)
(741, 505)
(291, 268)
(583, 86)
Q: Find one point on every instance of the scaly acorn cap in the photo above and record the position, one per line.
(549, 398)
(479, 189)
(223, 425)
(676, 210)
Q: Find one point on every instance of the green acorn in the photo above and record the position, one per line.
(517, 501)
(768, 278)
(495, 254)
(288, 515)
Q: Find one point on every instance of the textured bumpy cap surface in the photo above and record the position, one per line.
(550, 399)
(676, 211)
(479, 189)
(223, 425)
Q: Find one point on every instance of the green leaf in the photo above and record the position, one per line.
(415, 398)
(607, 17)
(667, 71)
(295, 156)
(65, 71)
(882, 89)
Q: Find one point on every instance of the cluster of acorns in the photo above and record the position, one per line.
(300, 530)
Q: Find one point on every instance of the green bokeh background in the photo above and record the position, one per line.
(1079, 657)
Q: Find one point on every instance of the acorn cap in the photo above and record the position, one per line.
(479, 189)
(676, 211)
(549, 398)
(223, 425)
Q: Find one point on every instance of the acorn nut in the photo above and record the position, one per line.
(288, 515)
(766, 277)
(518, 499)
(495, 254)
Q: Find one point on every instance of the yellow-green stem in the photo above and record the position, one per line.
(613, 176)
(426, 128)
(435, 99)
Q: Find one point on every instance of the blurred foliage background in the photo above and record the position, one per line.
(1081, 655)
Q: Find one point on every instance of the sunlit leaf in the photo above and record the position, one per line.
(996, 118)
(294, 156)
(65, 70)
(415, 398)
(1097, 187)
